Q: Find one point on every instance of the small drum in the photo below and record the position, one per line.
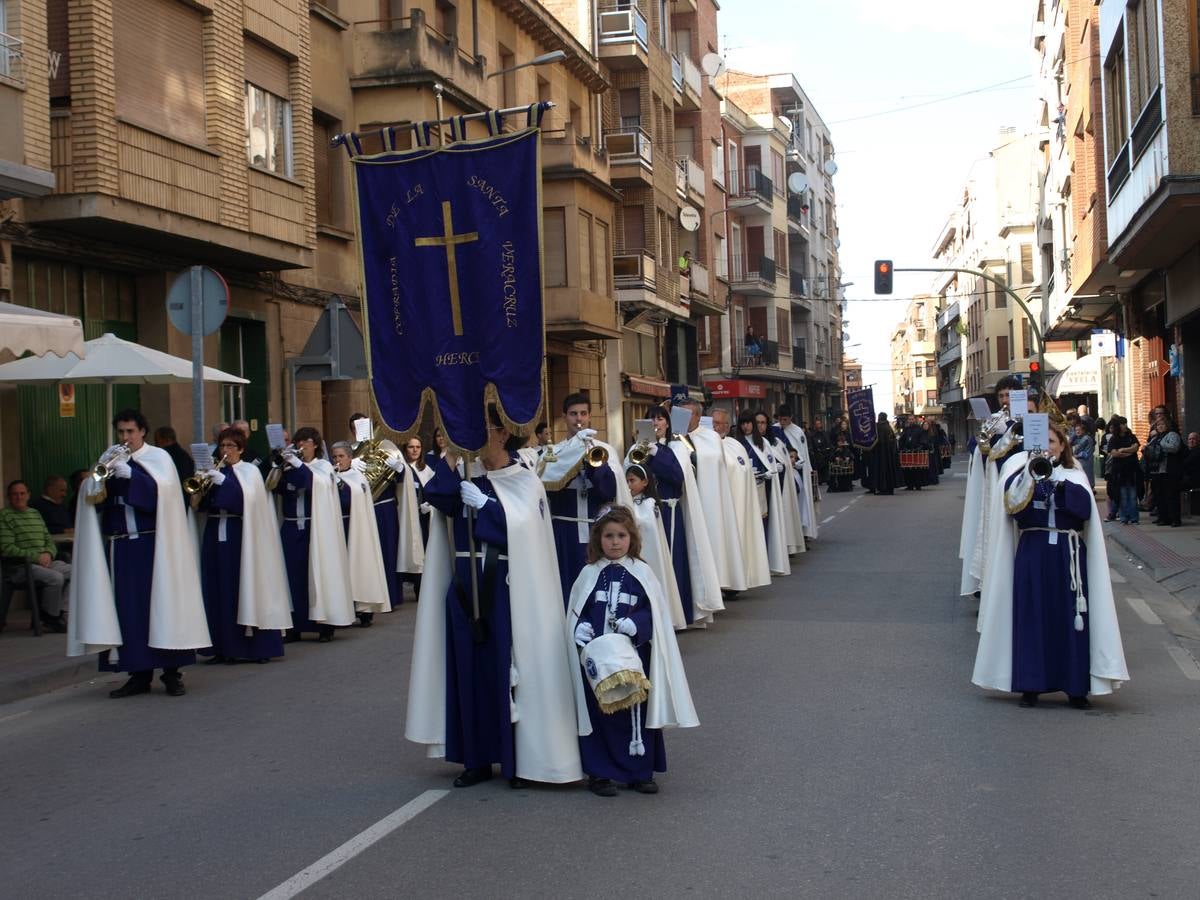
(614, 670)
(945, 451)
(840, 467)
(914, 459)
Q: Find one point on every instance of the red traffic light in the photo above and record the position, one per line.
(883, 276)
(1035, 367)
(884, 267)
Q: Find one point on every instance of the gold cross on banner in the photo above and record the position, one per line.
(450, 240)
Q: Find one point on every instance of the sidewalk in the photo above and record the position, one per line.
(1171, 556)
(32, 665)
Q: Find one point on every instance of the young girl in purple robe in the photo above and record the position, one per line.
(618, 749)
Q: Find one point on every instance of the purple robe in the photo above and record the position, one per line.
(598, 486)
(669, 483)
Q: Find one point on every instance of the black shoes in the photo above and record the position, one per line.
(325, 635)
(645, 787)
(1028, 700)
(602, 787)
(55, 624)
(1079, 702)
(173, 682)
(131, 688)
(366, 620)
(472, 777)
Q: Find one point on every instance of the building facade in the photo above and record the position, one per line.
(915, 376)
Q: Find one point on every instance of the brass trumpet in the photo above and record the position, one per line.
(595, 455)
(1040, 466)
(103, 469)
(278, 460)
(990, 426)
(640, 453)
(201, 483)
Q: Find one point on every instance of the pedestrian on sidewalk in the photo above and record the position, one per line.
(1122, 470)
(1050, 622)
(1164, 459)
(1082, 446)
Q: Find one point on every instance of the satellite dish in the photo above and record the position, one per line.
(689, 218)
(837, 243)
(797, 183)
(713, 64)
(830, 168)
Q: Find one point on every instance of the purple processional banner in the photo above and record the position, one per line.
(861, 405)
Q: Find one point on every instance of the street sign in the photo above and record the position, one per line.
(214, 300)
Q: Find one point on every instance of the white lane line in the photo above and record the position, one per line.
(1116, 577)
(15, 716)
(828, 519)
(1143, 610)
(844, 508)
(330, 862)
(1184, 660)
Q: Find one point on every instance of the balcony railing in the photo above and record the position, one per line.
(634, 269)
(753, 183)
(797, 284)
(629, 146)
(699, 280)
(1119, 170)
(693, 174)
(796, 209)
(799, 356)
(1147, 124)
(677, 73)
(624, 25)
(766, 355)
(691, 75)
(750, 269)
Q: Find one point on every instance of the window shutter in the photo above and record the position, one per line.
(159, 56)
(323, 171)
(267, 69)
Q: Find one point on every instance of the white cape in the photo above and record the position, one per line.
(791, 488)
(808, 510)
(702, 569)
(177, 618)
(368, 578)
(548, 701)
(264, 600)
(328, 562)
(657, 555)
(777, 544)
(972, 520)
(712, 481)
(993, 658)
(747, 512)
(670, 702)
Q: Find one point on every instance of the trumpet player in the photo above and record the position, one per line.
(1049, 623)
(314, 545)
(578, 484)
(368, 580)
(136, 595)
(241, 560)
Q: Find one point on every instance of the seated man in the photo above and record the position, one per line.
(23, 536)
(53, 506)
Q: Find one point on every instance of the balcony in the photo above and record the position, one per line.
(800, 356)
(630, 157)
(767, 356)
(798, 287)
(390, 52)
(753, 276)
(752, 184)
(702, 297)
(693, 175)
(566, 154)
(951, 354)
(577, 314)
(677, 77)
(797, 216)
(624, 38)
(693, 84)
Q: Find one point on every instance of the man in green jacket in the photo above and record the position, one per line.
(23, 536)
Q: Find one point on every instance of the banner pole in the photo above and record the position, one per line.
(476, 625)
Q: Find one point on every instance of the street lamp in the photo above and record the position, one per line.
(544, 60)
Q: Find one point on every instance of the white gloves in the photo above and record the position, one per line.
(584, 633)
(654, 449)
(626, 627)
(293, 461)
(1058, 474)
(216, 476)
(395, 463)
(425, 509)
(472, 496)
(358, 466)
(586, 433)
(120, 469)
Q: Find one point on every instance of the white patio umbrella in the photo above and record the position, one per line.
(27, 330)
(110, 360)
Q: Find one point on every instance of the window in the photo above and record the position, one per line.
(445, 19)
(585, 252)
(1027, 264)
(508, 81)
(6, 52)
(634, 231)
(718, 163)
(1002, 356)
(601, 260)
(554, 247)
(1116, 111)
(1144, 70)
(735, 179)
(268, 111)
(630, 101)
(1026, 339)
(327, 173)
(664, 23)
(721, 262)
(158, 57)
(783, 326)
(781, 250)
(1000, 295)
(931, 398)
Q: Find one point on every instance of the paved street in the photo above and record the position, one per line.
(843, 753)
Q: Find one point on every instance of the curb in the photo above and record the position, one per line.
(32, 681)
(1173, 573)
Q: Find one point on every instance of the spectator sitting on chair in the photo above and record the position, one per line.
(53, 506)
(164, 437)
(23, 537)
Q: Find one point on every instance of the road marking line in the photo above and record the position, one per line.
(828, 519)
(330, 862)
(1143, 610)
(1184, 660)
(16, 716)
(1116, 577)
(844, 508)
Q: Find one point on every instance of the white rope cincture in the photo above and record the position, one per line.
(637, 747)
(1077, 579)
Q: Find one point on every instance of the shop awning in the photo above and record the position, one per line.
(27, 330)
(648, 387)
(1080, 377)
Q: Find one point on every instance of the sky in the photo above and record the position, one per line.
(900, 173)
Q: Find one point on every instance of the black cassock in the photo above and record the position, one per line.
(883, 465)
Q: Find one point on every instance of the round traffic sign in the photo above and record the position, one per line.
(213, 299)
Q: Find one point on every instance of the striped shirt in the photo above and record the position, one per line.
(23, 534)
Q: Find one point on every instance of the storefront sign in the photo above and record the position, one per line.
(736, 387)
(66, 401)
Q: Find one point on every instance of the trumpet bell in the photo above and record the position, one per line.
(1041, 468)
(597, 457)
(639, 454)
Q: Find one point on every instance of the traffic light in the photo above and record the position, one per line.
(1035, 373)
(883, 276)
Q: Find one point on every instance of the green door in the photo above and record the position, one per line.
(244, 353)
